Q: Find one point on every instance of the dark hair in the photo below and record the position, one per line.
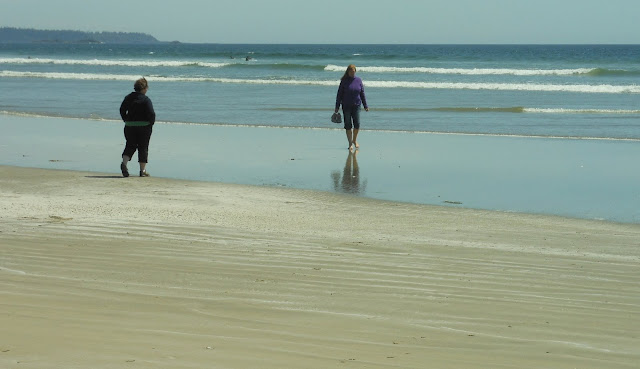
(346, 72)
(140, 84)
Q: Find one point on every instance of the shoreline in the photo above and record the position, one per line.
(327, 128)
(564, 177)
(164, 273)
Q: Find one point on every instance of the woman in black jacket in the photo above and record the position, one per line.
(138, 115)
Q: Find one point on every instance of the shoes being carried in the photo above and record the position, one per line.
(144, 173)
(125, 171)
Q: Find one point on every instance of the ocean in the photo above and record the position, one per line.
(561, 93)
(587, 91)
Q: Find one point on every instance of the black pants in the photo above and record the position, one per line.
(351, 117)
(137, 139)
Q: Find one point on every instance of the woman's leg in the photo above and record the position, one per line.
(349, 137)
(355, 114)
(348, 125)
(129, 149)
(131, 145)
(143, 148)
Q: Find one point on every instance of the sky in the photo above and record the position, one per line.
(341, 22)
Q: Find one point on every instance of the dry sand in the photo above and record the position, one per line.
(98, 271)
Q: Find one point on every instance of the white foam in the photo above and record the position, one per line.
(580, 111)
(330, 67)
(77, 76)
(609, 89)
(605, 89)
(122, 63)
(467, 71)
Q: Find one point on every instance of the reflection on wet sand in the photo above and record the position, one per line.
(349, 181)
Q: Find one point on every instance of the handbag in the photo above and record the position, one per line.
(336, 118)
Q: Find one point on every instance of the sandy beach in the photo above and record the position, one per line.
(98, 271)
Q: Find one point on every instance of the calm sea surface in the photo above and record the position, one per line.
(558, 91)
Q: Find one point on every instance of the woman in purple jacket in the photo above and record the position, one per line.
(351, 96)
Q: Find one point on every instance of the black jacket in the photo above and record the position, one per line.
(137, 107)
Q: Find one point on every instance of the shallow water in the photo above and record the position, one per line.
(593, 179)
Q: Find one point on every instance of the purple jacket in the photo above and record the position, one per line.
(351, 93)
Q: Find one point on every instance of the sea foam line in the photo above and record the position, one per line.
(579, 111)
(321, 128)
(605, 88)
(473, 109)
(467, 71)
(109, 63)
(514, 109)
(329, 68)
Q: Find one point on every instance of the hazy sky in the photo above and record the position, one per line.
(347, 21)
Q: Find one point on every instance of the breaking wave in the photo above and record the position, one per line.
(574, 88)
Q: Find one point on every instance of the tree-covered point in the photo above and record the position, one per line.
(29, 35)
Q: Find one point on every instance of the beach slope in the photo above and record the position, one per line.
(99, 271)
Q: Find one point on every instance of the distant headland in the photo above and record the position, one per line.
(30, 35)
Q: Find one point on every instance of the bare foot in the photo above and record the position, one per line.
(357, 145)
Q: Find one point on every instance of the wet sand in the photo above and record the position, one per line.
(98, 271)
(566, 177)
